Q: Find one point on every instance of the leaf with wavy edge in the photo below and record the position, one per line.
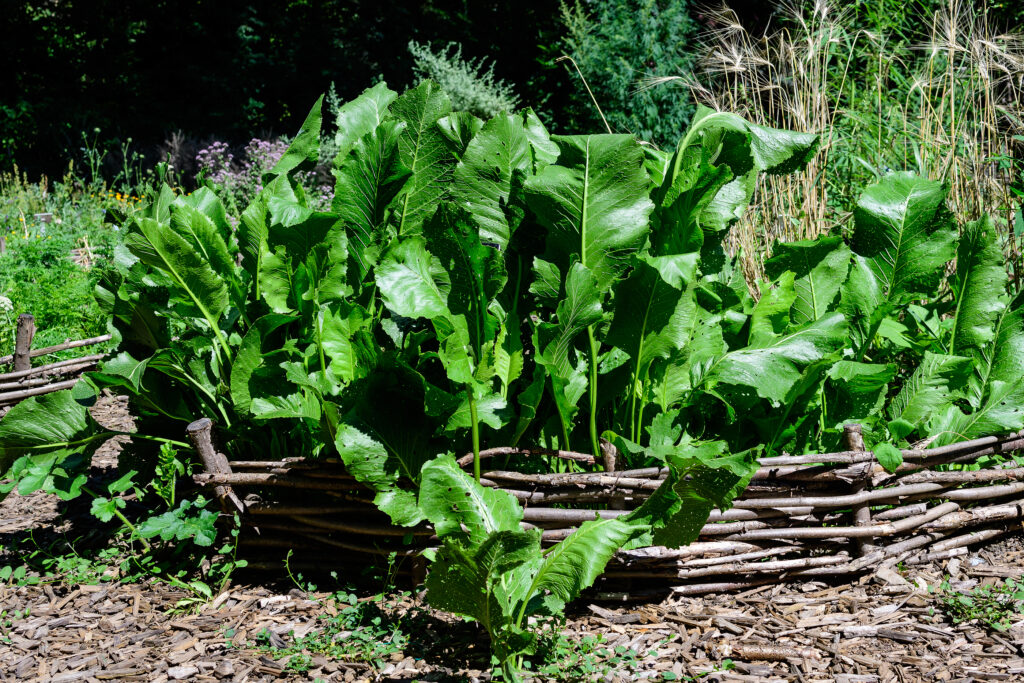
(929, 392)
(424, 150)
(773, 367)
(459, 507)
(483, 178)
(412, 281)
(359, 117)
(977, 284)
(368, 180)
(42, 433)
(304, 150)
(594, 203)
(819, 267)
(1000, 406)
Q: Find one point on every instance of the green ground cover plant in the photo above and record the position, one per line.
(993, 606)
(484, 283)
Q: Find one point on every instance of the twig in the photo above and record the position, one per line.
(46, 350)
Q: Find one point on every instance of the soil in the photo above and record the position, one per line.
(884, 627)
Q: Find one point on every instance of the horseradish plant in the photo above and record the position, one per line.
(488, 284)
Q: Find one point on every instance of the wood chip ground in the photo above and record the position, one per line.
(886, 627)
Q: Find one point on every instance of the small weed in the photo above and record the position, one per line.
(361, 631)
(563, 659)
(7, 620)
(991, 606)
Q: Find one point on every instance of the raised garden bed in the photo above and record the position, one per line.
(827, 515)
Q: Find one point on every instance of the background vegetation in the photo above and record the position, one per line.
(112, 88)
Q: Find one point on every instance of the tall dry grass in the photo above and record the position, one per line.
(946, 104)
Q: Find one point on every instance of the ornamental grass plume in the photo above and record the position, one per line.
(938, 94)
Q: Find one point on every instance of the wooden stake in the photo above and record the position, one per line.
(200, 435)
(862, 512)
(23, 342)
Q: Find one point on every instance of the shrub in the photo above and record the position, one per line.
(240, 181)
(470, 84)
(620, 44)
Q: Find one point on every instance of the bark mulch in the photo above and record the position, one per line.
(886, 627)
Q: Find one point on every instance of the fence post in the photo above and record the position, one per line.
(23, 342)
(200, 435)
(861, 511)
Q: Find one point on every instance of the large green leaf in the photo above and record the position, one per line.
(906, 233)
(774, 366)
(206, 238)
(713, 173)
(594, 204)
(483, 178)
(345, 335)
(978, 286)
(903, 236)
(158, 246)
(653, 319)
(253, 225)
(476, 271)
(673, 378)
(305, 261)
(386, 433)
(459, 128)
(486, 581)
(205, 201)
(369, 178)
(574, 564)
(702, 476)
(413, 282)
(819, 267)
(580, 308)
(544, 150)
(929, 392)
(370, 463)
(304, 150)
(459, 507)
(998, 393)
(856, 390)
(362, 115)
(250, 357)
(425, 152)
(651, 316)
(771, 315)
(37, 437)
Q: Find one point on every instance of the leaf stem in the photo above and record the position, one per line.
(594, 443)
(475, 427)
(868, 338)
(320, 341)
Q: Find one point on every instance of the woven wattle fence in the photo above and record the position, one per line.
(26, 381)
(801, 517)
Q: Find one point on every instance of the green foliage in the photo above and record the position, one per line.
(473, 281)
(490, 570)
(619, 45)
(562, 659)
(992, 606)
(41, 223)
(360, 631)
(470, 83)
